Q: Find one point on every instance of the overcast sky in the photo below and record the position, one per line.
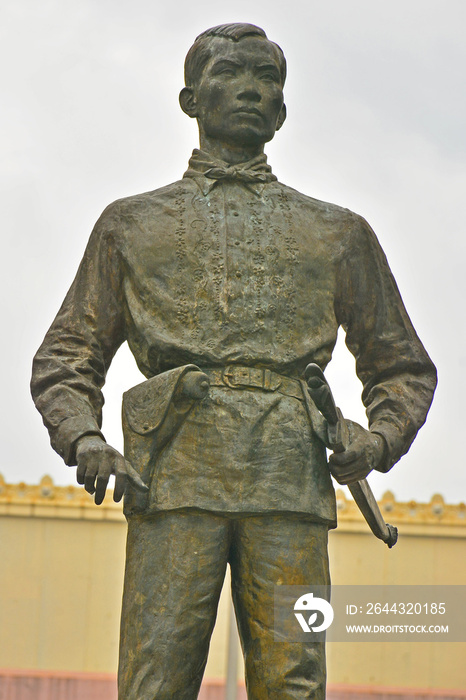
(376, 123)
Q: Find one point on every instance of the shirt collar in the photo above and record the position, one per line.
(209, 171)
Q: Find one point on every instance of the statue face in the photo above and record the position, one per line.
(239, 98)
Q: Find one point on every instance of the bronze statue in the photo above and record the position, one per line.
(226, 284)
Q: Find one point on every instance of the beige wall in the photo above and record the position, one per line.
(62, 562)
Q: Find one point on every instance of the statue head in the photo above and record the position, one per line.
(234, 86)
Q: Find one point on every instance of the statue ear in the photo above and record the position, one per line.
(281, 117)
(188, 102)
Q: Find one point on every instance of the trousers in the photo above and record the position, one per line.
(175, 567)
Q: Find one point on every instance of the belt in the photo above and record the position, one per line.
(241, 377)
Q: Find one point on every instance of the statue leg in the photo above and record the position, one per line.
(175, 569)
(269, 551)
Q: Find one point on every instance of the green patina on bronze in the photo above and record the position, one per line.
(226, 284)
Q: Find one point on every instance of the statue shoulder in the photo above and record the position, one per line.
(127, 206)
(126, 213)
(333, 215)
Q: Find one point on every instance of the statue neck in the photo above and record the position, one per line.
(229, 153)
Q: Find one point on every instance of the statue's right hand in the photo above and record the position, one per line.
(97, 461)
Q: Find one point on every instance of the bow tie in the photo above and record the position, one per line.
(252, 171)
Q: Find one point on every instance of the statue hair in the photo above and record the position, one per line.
(201, 51)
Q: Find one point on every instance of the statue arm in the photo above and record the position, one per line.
(70, 366)
(398, 377)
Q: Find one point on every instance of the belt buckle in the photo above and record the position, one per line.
(253, 377)
(231, 376)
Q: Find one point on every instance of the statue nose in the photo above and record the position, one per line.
(251, 94)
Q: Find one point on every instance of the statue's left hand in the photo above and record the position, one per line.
(97, 461)
(364, 453)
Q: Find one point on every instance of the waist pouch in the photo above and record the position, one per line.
(152, 413)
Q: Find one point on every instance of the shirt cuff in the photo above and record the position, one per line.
(68, 433)
(393, 445)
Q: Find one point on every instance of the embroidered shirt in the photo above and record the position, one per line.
(223, 271)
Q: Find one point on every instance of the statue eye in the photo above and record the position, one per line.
(269, 75)
(226, 70)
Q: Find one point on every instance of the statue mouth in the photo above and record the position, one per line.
(248, 110)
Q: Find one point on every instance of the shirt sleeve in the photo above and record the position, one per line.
(398, 377)
(70, 366)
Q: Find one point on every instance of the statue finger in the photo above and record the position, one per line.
(340, 477)
(344, 478)
(101, 487)
(81, 472)
(341, 458)
(89, 479)
(121, 480)
(134, 477)
(348, 473)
